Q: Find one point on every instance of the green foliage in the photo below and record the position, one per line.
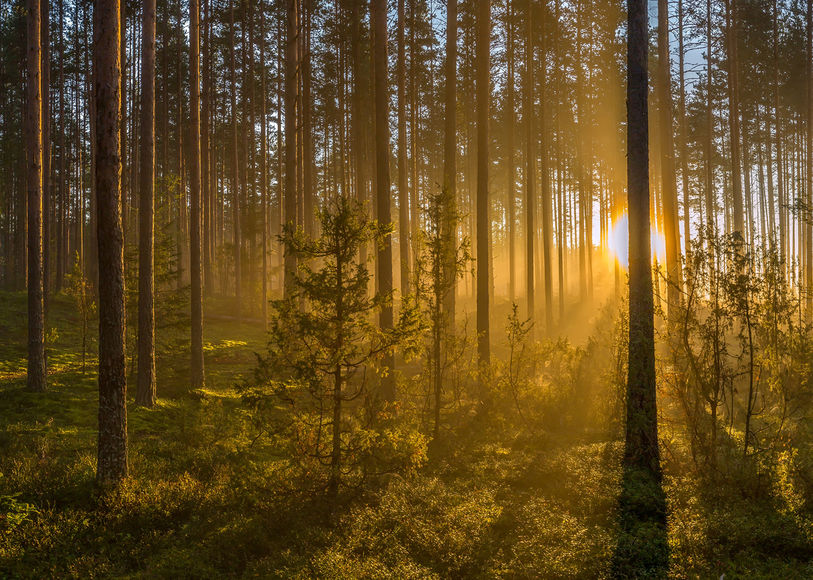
(78, 288)
(323, 346)
(14, 512)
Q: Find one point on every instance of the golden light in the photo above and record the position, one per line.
(618, 242)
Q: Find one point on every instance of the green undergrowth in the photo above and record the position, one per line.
(205, 500)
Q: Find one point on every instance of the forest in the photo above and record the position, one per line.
(406, 289)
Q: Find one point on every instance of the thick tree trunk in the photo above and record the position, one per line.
(146, 391)
(641, 449)
(382, 162)
(112, 455)
(33, 129)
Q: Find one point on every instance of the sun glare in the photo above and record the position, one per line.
(619, 242)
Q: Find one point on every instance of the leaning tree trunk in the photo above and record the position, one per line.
(33, 129)
(146, 391)
(112, 453)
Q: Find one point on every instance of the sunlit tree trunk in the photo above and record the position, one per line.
(684, 134)
(33, 129)
(732, 26)
(403, 191)
(510, 127)
(668, 179)
(194, 225)
(450, 154)
(112, 452)
(547, 193)
(382, 162)
(264, 168)
(236, 219)
(146, 392)
(482, 90)
(530, 161)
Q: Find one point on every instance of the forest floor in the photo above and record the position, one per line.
(499, 501)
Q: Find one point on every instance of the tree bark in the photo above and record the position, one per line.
(112, 453)
(450, 156)
(403, 192)
(482, 90)
(33, 128)
(641, 449)
(382, 162)
(291, 84)
(668, 179)
(198, 379)
(146, 390)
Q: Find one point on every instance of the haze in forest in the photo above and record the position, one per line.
(406, 288)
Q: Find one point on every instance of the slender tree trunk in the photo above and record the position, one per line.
(450, 157)
(291, 68)
(510, 127)
(62, 197)
(809, 160)
(194, 226)
(206, 174)
(530, 161)
(684, 135)
(236, 237)
(46, 149)
(264, 168)
(382, 162)
(547, 194)
(403, 191)
(33, 128)
(482, 90)
(112, 456)
(732, 25)
(146, 391)
(668, 179)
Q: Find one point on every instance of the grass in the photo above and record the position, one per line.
(497, 501)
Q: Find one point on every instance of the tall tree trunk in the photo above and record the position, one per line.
(482, 90)
(511, 165)
(547, 194)
(450, 157)
(62, 197)
(530, 161)
(732, 25)
(264, 168)
(309, 203)
(291, 73)
(711, 214)
(668, 179)
(403, 191)
(809, 160)
(33, 128)
(641, 449)
(46, 149)
(236, 237)
(146, 391)
(684, 135)
(382, 162)
(194, 225)
(112, 454)
(206, 174)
